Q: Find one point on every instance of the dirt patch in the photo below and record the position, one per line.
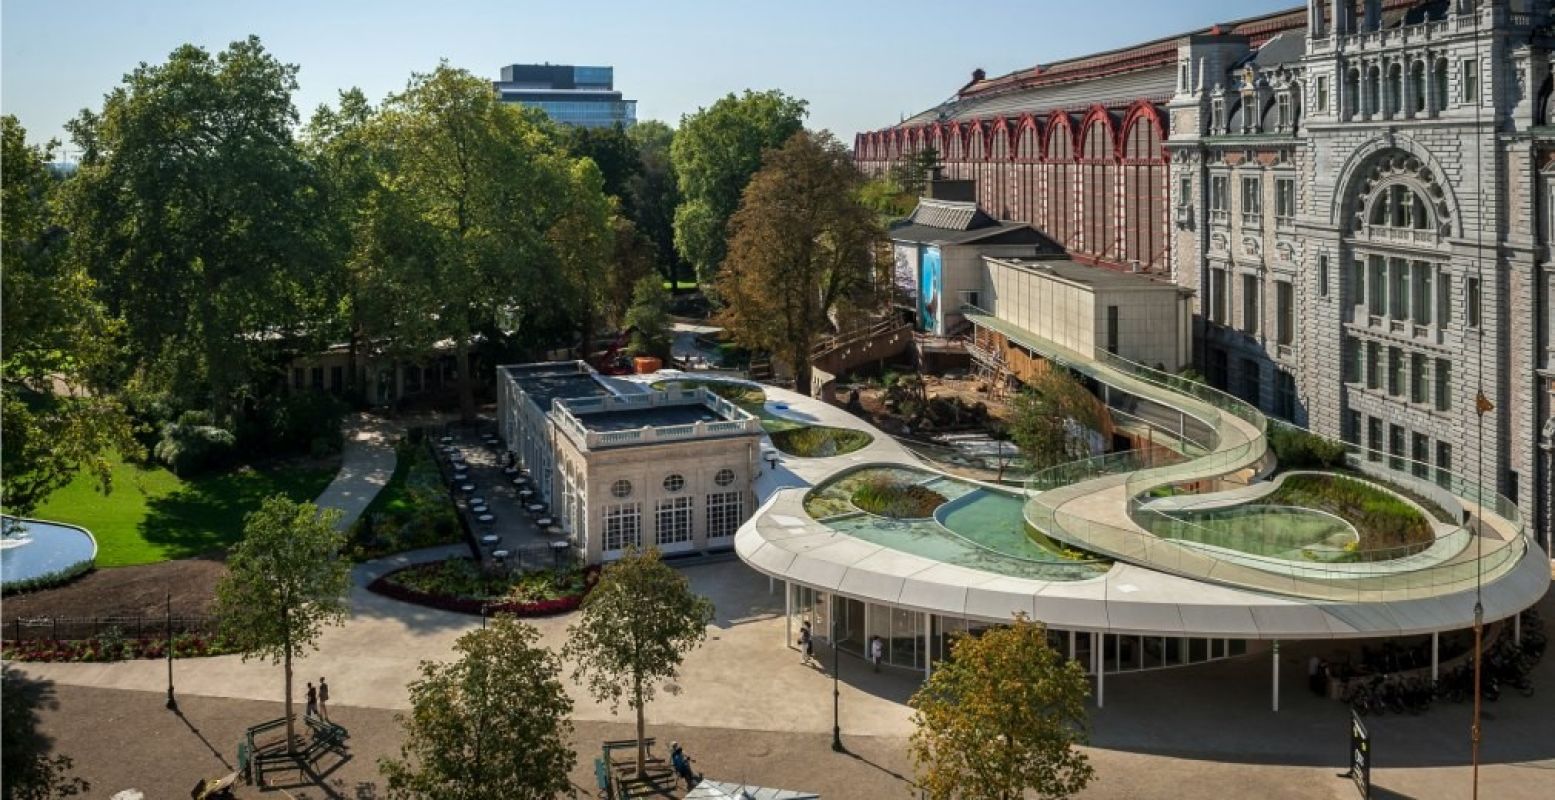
(127, 592)
(969, 391)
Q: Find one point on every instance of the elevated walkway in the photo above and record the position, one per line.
(1097, 506)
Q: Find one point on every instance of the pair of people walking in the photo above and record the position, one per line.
(318, 700)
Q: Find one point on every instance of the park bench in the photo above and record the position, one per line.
(658, 776)
(249, 750)
(327, 736)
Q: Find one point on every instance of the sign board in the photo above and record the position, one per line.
(1360, 755)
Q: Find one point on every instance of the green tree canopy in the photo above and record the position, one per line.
(1001, 717)
(491, 725)
(649, 317)
(715, 153)
(803, 249)
(611, 149)
(485, 224)
(634, 630)
(195, 210)
(653, 194)
(1056, 420)
(285, 581)
(57, 341)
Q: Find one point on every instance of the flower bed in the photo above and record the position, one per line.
(108, 647)
(411, 512)
(889, 497)
(459, 585)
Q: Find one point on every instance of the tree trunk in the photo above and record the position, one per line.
(801, 365)
(291, 731)
(466, 379)
(642, 728)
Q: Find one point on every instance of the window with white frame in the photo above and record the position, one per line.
(1217, 193)
(674, 483)
(1252, 196)
(724, 477)
(623, 526)
(672, 521)
(1320, 103)
(725, 512)
(1285, 198)
(1470, 78)
(621, 489)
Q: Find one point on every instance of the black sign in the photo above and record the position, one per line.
(1360, 756)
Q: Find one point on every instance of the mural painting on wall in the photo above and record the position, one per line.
(929, 292)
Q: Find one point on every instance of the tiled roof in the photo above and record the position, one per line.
(1115, 90)
(951, 215)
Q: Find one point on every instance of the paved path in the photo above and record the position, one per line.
(366, 464)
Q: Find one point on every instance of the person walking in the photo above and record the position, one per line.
(806, 643)
(682, 766)
(313, 702)
(323, 699)
(876, 651)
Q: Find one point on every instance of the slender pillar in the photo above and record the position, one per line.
(788, 612)
(1275, 687)
(1435, 654)
(1098, 645)
(928, 638)
(1517, 629)
(1071, 645)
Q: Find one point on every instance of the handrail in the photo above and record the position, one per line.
(1100, 511)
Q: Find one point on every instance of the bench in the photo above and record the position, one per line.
(326, 736)
(249, 755)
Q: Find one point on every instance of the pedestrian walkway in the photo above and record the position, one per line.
(366, 464)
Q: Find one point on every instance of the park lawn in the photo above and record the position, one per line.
(152, 515)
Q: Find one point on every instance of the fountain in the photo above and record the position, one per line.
(31, 549)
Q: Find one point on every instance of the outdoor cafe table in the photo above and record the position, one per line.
(477, 501)
(510, 471)
(468, 487)
(486, 518)
(499, 554)
(555, 530)
(526, 493)
(490, 538)
(544, 522)
(535, 508)
(478, 508)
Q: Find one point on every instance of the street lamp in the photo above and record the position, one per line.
(172, 703)
(836, 690)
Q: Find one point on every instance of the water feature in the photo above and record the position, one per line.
(33, 548)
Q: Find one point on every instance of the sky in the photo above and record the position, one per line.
(861, 65)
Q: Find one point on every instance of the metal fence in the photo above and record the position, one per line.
(77, 628)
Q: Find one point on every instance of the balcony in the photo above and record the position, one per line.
(1413, 237)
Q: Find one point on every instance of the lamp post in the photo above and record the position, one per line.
(172, 703)
(836, 690)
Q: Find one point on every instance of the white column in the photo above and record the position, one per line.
(1275, 689)
(1517, 628)
(1098, 645)
(788, 613)
(1435, 654)
(928, 650)
(1071, 645)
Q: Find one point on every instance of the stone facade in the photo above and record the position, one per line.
(1361, 197)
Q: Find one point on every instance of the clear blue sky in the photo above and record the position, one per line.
(860, 64)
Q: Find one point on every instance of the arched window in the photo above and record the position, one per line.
(1373, 91)
(1439, 102)
(1417, 87)
(1395, 89)
(1399, 206)
(1352, 93)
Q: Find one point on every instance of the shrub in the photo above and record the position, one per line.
(459, 585)
(188, 448)
(819, 441)
(1389, 527)
(49, 580)
(1298, 449)
(294, 423)
(897, 499)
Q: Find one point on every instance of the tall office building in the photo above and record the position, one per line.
(571, 95)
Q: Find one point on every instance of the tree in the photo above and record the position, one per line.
(27, 770)
(57, 341)
(194, 210)
(652, 194)
(611, 149)
(912, 175)
(338, 144)
(285, 581)
(485, 225)
(492, 724)
(802, 248)
(715, 153)
(1056, 420)
(631, 261)
(635, 628)
(1002, 716)
(649, 317)
(886, 198)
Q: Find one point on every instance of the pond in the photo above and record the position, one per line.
(1283, 532)
(32, 548)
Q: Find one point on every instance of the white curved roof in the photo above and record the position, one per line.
(784, 541)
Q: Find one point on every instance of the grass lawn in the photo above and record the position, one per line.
(680, 286)
(152, 515)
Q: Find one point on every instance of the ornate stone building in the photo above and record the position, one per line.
(1359, 193)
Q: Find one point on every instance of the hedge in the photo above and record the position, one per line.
(470, 605)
